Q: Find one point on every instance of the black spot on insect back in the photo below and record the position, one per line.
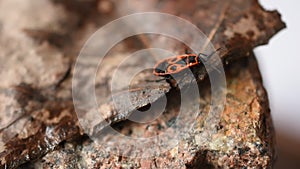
(192, 59)
(173, 67)
(157, 70)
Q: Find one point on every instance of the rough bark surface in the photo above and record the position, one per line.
(244, 135)
(40, 40)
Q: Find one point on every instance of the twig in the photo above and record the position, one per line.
(216, 27)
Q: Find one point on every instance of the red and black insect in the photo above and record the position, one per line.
(176, 64)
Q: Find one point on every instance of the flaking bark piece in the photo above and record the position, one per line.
(41, 122)
(236, 142)
(244, 26)
(236, 26)
(108, 112)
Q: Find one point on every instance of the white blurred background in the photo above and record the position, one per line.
(280, 67)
